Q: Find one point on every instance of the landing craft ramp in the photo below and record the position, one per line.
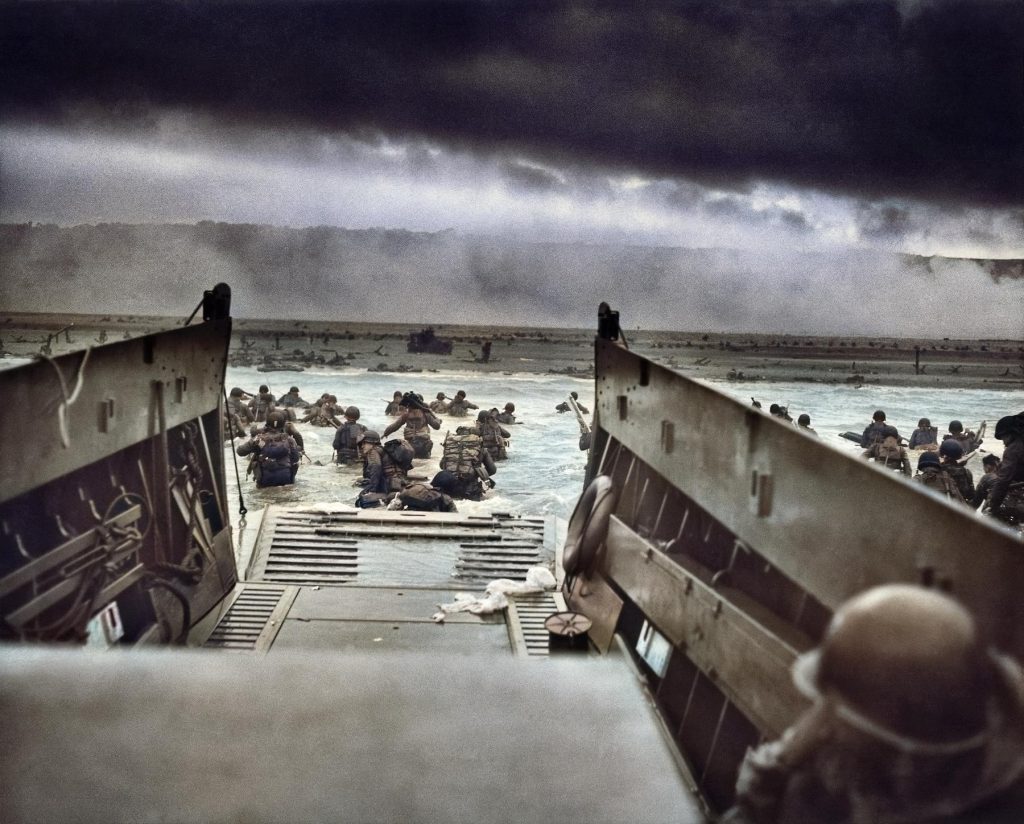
(324, 577)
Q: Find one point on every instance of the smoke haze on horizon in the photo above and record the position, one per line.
(832, 131)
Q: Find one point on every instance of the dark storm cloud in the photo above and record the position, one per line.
(864, 98)
(530, 177)
(879, 220)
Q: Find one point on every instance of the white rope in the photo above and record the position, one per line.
(68, 400)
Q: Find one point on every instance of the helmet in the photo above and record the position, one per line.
(575, 395)
(352, 412)
(774, 409)
(955, 427)
(879, 415)
(510, 407)
(369, 436)
(264, 388)
(928, 459)
(1009, 425)
(276, 419)
(446, 481)
(924, 423)
(950, 448)
(890, 432)
(990, 460)
(440, 396)
(904, 665)
(461, 393)
(294, 389)
(236, 392)
(483, 415)
(332, 398)
(397, 395)
(804, 420)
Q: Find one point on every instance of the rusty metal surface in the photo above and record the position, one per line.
(801, 504)
(117, 404)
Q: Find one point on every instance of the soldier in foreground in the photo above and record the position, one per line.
(1006, 500)
(394, 408)
(439, 406)
(914, 718)
(374, 481)
(564, 405)
(262, 404)
(925, 436)
(459, 406)
(951, 452)
(969, 441)
(291, 399)
(417, 417)
(985, 482)
(275, 455)
(887, 451)
(432, 497)
(346, 437)
(875, 431)
(929, 473)
(492, 433)
(465, 457)
(804, 424)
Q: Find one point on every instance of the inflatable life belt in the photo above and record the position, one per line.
(589, 526)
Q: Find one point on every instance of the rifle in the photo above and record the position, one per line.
(484, 477)
(584, 426)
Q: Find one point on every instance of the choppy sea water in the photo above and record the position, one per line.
(545, 470)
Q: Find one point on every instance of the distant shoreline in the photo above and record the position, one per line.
(993, 364)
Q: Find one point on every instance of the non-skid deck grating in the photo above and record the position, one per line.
(246, 619)
(529, 613)
(300, 553)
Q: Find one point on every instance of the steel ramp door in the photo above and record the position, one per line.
(370, 580)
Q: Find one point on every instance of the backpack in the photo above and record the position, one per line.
(276, 450)
(935, 478)
(462, 455)
(421, 497)
(401, 452)
(889, 452)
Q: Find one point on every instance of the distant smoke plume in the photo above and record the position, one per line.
(397, 276)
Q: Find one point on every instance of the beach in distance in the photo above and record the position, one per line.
(294, 345)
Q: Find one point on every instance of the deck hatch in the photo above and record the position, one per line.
(245, 625)
(526, 614)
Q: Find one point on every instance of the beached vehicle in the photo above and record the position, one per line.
(426, 341)
(709, 548)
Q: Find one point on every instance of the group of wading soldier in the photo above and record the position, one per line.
(941, 465)
(468, 461)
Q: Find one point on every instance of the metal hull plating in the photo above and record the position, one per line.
(734, 538)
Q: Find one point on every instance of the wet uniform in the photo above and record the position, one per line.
(934, 478)
(963, 479)
(345, 442)
(423, 497)
(920, 438)
(275, 458)
(416, 432)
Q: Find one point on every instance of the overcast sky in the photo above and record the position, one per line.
(810, 125)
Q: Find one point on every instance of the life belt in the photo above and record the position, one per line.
(589, 526)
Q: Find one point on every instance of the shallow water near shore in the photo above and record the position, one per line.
(545, 470)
